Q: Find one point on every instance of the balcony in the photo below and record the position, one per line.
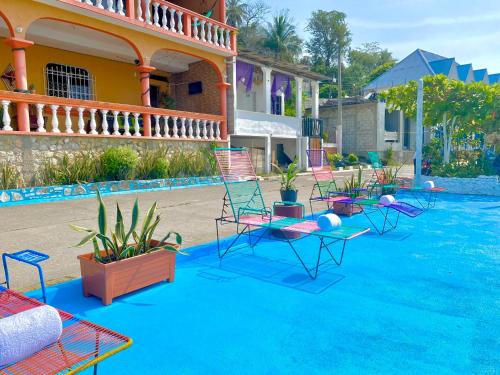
(163, 18)
(73, 117)
(257, 123)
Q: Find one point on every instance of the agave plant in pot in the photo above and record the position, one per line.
(124, 261)
(354, 187)
(288, 190)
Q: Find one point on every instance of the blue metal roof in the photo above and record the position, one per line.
(442, 66)
(479, 74)
(494, 78)
(463, 71)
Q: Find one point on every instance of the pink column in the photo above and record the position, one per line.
(223, 108)
(144, 72)
(19, 57)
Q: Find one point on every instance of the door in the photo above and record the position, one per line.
(154, 94)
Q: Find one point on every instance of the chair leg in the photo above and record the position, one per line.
(6, 270)
(42, 282)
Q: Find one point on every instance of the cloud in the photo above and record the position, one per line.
(426, 22)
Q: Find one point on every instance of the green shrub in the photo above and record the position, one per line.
(352, 159)
(184, 163)
(118, 163)
(81, 167)
(465, 164)
(335, 159)
(10, 178)
(152, 164)
(388, 158)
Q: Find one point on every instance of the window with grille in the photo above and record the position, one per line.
(67, 81)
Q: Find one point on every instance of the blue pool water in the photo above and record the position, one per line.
(424, 299)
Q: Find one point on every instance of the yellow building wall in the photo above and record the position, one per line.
(115, 81)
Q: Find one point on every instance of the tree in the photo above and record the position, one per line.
(235, 11)
(281, 37)
(457, 108)
(379, 70)
(251, 34)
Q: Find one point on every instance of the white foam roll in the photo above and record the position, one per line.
(387, 200)
(428, 185)
(27, 332)
(329, 222)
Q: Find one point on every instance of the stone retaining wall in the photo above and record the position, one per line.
(482, 185)
(29, 152)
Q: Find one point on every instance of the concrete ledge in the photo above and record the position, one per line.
(482, 185)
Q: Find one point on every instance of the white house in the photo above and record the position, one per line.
(265, 119)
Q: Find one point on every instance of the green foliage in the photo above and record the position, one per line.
(381, 69)
(66, 169)
(184, 163)
(352, 159)
(388, 158)
(335, 159)
(353, 186)
(152, 164)
(288, 177)
(118, 163)
(465, 164)
(120, 244)
(281, 38)
(432, 151)
(10, 178)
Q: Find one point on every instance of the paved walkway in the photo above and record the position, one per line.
(45, 227)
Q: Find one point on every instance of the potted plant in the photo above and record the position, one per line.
(391, 181)
(127, 261)
(353, 188)
(288, 190)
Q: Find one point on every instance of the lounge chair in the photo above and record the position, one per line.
(425, 197)
(243, 205)
(325, 187)
(82, 344)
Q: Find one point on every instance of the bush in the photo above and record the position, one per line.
(10, 178)
(192, 163)
(388, 158)
(82, 167)
(152, 164)
(335, 160)
(465, 164)
(352, 159)
(119, 163)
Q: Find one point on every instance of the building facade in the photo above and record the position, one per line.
(123, 69)
(268, 100)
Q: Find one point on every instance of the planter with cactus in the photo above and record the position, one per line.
(353, 188)
(123, 262)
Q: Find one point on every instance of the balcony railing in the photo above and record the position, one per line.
(80, 117)
(168, 18)
(312, 127)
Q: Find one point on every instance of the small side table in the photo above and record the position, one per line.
(31, 257)
(285, 209)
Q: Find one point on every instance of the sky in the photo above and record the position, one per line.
(466, 30)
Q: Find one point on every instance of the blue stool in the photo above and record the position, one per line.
(30, 257)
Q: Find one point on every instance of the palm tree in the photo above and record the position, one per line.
(281, 37)
(235, 12)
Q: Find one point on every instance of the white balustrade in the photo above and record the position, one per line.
(203, 23)
(195, 28)
(216, 35)
(228, 38)
(81, 123)
(137, 132)
(209, 32)
(217, 130)
(147, 12)
(172, 20)
(156, 14)
(116, 126)
(174, 129)
(119, 7)
(190, 128)
(183, 127)
(164, 20)
(6, 120)
(40, 121)
(68, 124)
(198, 136)
(212, 129)
(221, 37)
(126, 124)
(166, 129)
(99, 4)
(110, 6)
(93, 124)
(204, 129)
(55, 120)
(180, 25)
(157, 126)
(138, 11)
(105, 125)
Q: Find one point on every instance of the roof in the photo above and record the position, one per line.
(442, 66)
(479, 74)
(285, 66)
(332, 103)
(463, 71)
(494, 78)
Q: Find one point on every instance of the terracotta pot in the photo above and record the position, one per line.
(346, 209)
(111, 280)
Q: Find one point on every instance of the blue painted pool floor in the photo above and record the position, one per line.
(424, 299)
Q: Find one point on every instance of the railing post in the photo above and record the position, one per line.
(19, 56)
(187, 24)
(233, 41)
(130, 8)
(144, 72)
(223, 108)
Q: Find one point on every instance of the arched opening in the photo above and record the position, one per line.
(6, 68)
(185, 82)
(6, 29)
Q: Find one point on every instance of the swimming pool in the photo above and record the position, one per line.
(420, 300)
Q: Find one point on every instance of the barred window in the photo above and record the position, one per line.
(67, 81)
